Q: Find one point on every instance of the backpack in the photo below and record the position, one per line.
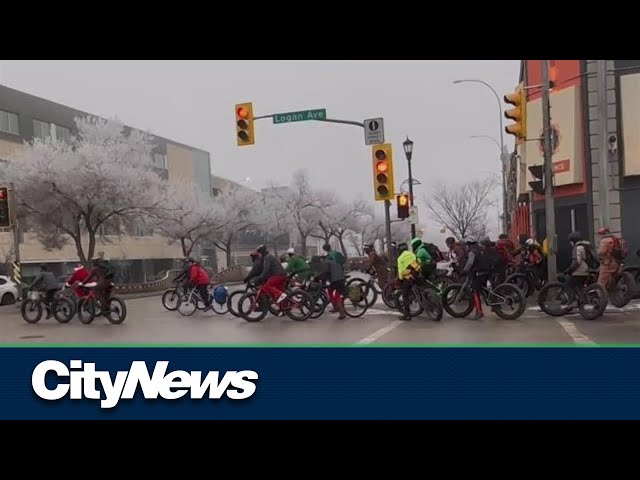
(592, 261)
(620, 249)
(504, 252)
(219, 295)
(434, 251)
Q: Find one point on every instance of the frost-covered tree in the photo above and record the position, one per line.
(276, 220)
(186, 215)
(68, 191)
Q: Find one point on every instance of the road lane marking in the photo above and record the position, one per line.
(576, 335)
(379, 333)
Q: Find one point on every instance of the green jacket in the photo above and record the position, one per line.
(405, 260)
(336, 256)
(298, 265)
(423, 255)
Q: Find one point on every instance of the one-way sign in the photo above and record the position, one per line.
(373, 131)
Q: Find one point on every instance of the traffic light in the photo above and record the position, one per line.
(403, 206)
(5, 218)
(518, 114)
(538, 172)
(383, 172)
(244, 124)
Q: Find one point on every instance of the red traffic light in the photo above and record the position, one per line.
(242, 112)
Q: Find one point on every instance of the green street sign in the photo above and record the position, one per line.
(303, 116)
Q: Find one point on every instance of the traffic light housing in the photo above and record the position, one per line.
(538, 172)
(383, 172)
(244, 124)
(403, 206)
(5, 217)
(518, 113)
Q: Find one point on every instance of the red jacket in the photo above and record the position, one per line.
(198, 275)
(79, 275)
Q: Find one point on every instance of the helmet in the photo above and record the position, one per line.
(604, 231)
(415, 243)
(470, 239)
(291, 251)
(261, 249)
(368, 245)
(220, 295)
(503, 236)
(43, 266)
(326, 247)
(450, 241)
(403, 246)
(529, 242)
(575, 237)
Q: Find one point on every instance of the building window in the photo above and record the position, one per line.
(46, 130)
(142, 230)
(9, 123)
(41, 130)
(63, 134)
(160, 160)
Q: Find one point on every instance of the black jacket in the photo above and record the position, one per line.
(256, 269)
(271, 267)
(184, 274)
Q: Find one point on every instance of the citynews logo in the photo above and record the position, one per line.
(84, 382)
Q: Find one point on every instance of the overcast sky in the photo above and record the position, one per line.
(192, 102)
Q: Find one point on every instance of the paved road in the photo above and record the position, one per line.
(149, 322)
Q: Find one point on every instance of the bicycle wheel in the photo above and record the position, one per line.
(170, 300)
(554, 299)
(368, 290)
(117, 310)
(389, 295)
(31, 310)
(298, 306)
(232, 302)
(63, 309)
(219, 308)
(453, 298)
(320, 302)
(187, 305)
(512, 302)
(249, 304)
(415, 308)
(592, 301)
(87, 310)
(354, 302)
(523, 282)
(432, 304)
(622, 290)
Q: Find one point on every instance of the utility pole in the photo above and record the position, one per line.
(387, 225)
(604, 145)
(17, 270)
(549, 204)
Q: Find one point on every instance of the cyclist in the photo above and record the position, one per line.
(378, 263)
(47, 282)
(273, 276)
(334, 255)
(199, 279)
(103, 274)
(298, 265)
(578, 271)
(79, 275)
(408, 272)
(478, 269)
(609, 264)
(183, 276)
(457, 254)
(256, 267)
(333, 272)
(427, 263)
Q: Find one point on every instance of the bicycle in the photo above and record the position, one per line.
(354, 300)
(590, 294)
(526, 278)
(89, 306)
(497, 297)
(171, 297)
(258, 301)
(427, 298)
(61, 307)
(191, 301)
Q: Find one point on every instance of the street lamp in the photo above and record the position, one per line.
(407, 145)
(503, 155)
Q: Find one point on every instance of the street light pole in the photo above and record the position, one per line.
(408, 152)
(503, 155)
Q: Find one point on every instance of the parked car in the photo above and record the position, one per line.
(8, 291)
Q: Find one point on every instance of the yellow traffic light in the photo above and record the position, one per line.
(383, 172)
(403, 206)
(518, 113)
(244, 124)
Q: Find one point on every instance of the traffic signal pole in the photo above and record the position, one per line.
(387, 203)
(549, 204)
